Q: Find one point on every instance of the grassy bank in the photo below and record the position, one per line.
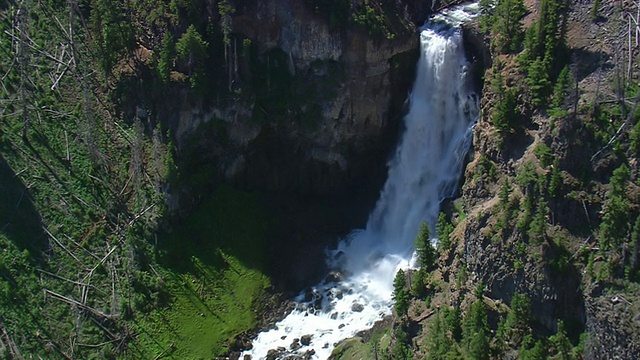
(211, 265)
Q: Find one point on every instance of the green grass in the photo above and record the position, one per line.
(352, 348)
(212, 267)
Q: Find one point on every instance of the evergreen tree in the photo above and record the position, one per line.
(504, 221)
(400, 294)
(400, 350)
(506, 112)
(425, 251)
(419, 283)
(487, 8)
(634, 140)
(561, 87)
(562, 343)
(531, 350)
(166, 56)
(475, 332)
(615, 221)
(452, 322)
(555, 180)
(115, 35)
(516, 325)
(538, 81)
(438, 342)
(538, 227)
(191, 47)
(507, 25)
(444, 229)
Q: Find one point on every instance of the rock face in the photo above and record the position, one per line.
(302, 110)
(316, 107)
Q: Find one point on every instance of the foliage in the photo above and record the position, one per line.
(475, 332)
(225, 9)
(544, 154)
(538, 227)
(506, 208)
(532, 350)
(426, 253)
(595, 10)
(370, 16)
(555, 180)
(212, 265)
(438, 341)
(401, 350)
(419, 283)
(634, 140)
(167, 54)
(485, 167)
(506, 25)
(561, 343)
(538, 81)
(615, 219)
(635, 242)
(545, 50)
(113, 31)
(518, 321)
(192, 49)
(400, 294)
(506, 113)
(561, 88)
(444, 228)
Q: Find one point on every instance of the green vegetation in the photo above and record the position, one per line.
(615, 221)
(212, 268)
(400, 295)
(87, 268)
(444, 228)
(426, 253)
(192, 49)
(504, 17)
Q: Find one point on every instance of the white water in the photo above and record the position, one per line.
(424, 171)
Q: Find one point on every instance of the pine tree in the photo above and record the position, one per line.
(634, 140)
(425, 251)
(475, 332)
(506, 112)
(166, 56)
(561, 87)
(438, 343)
(555, 180)
(562, 343)
(419, 283)
(452, 322)
(507, 25)
(400, 294)
(538, 81)
(538, 227)
(444, 229)
(517, 323)
(615, 221)
(191, 47)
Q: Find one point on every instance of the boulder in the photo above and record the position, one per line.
(306, 340)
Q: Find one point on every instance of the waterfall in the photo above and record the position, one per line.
(425, 169)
